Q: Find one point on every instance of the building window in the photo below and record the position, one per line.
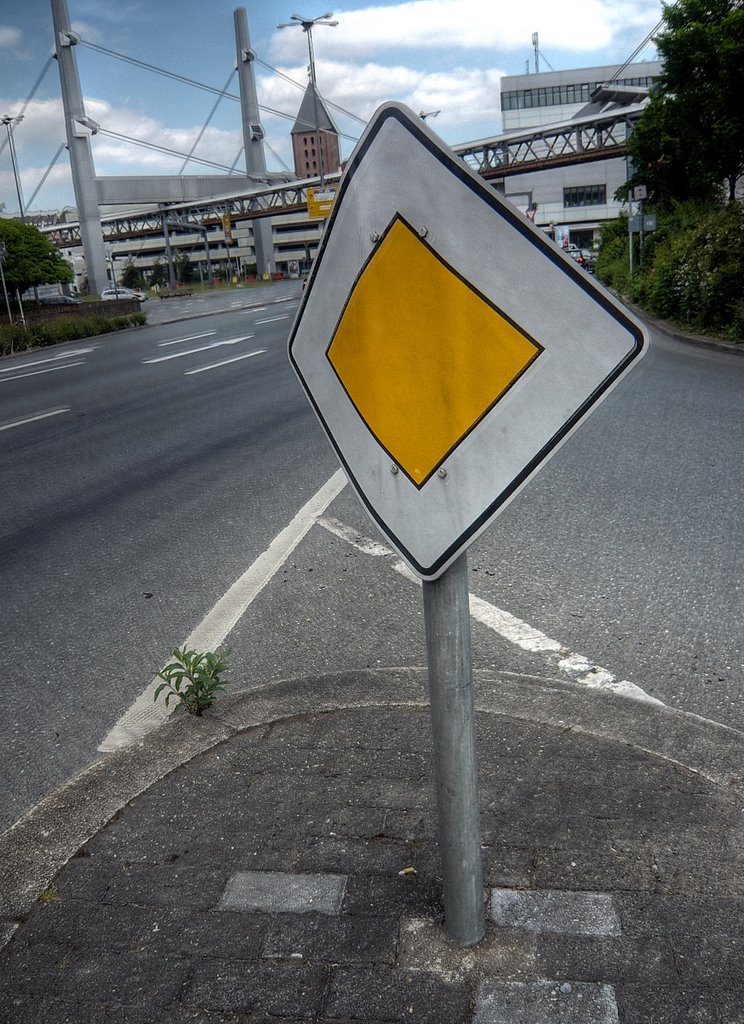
(585, 195)
(555, 95)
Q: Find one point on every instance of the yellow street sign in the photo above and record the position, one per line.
(320, 201)
(447, 346)
(419, 381)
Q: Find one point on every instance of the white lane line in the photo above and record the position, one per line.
(33, 419)
(508, 626)
(144, 715)
(36, 373)
(201, 348)
(189, 337)
(50, 359)
(273, 319)
(235, 359)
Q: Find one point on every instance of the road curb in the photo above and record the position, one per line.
(37, 846)
(685, 337)
(216, 312)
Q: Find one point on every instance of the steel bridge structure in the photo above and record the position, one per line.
(601, 136)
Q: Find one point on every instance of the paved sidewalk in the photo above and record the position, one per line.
(255, 866)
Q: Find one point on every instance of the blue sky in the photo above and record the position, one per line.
(446, 55)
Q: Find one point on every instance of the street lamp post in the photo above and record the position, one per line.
(2, 278)
(114, 284)
(7, 120)
(307, 25)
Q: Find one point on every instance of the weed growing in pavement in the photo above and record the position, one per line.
(49, 895)
(192, 678)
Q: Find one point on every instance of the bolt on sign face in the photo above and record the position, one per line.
(446, 345)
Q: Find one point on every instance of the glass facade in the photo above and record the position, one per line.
(559, 95)
(585, 195)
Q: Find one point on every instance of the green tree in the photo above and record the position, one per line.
(31, 258)
(130, 275)
(689, 143)
(183, 268)
(159, 273)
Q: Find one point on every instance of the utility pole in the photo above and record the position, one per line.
(8, 120)
(253, 136)
(79, 129)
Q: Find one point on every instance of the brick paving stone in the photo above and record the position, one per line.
(614, 960)
(117, 976)
(358, 856)
(545, 1002)
(281, 892)
(346, 940)
(166, 885)
(679, 1004)
(376, 995)
(568, 913)
(242, 987)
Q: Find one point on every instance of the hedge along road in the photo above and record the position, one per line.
(133, 512)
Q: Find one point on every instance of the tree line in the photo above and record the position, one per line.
(687, 149)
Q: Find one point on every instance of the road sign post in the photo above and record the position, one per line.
(447, 622)
(449, 349)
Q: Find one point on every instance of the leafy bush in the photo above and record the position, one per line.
(693, 266)
(14, 338)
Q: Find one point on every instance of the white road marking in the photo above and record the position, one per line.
(189, 337)
(201, 348)
(508, 626)
(235, 359)
(144, 715)
(36, 373)
(50, 359)
(273, 319)
(33, 419)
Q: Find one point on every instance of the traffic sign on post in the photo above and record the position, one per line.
(448, 348)
(447, 345)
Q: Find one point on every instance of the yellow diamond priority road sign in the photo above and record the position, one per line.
(447, 346)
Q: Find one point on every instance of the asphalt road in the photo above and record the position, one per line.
(151, 480)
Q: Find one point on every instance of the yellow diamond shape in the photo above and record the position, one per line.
(421, 354)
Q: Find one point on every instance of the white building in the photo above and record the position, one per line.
(575, 199)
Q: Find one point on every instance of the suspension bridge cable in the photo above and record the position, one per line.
(45, 175)
(28, 99)
(299, 85)
(206, 123)
(161, 149)
(197, 85)
(277, 157)
(638, 50)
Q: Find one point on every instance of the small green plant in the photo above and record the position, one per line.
(192, 678)
(49, 895)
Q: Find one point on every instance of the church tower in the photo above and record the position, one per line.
(316, 151)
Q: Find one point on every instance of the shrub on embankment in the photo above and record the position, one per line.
(692, 271)
(16, 338)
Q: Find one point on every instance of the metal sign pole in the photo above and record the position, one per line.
(447, 621)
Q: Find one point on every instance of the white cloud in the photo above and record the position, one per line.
(10, 36)
(471, 25)
(464, 95)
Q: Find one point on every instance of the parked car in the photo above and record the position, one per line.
(585, 258)
(59, 300)
(120, 292)
(591, 259)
